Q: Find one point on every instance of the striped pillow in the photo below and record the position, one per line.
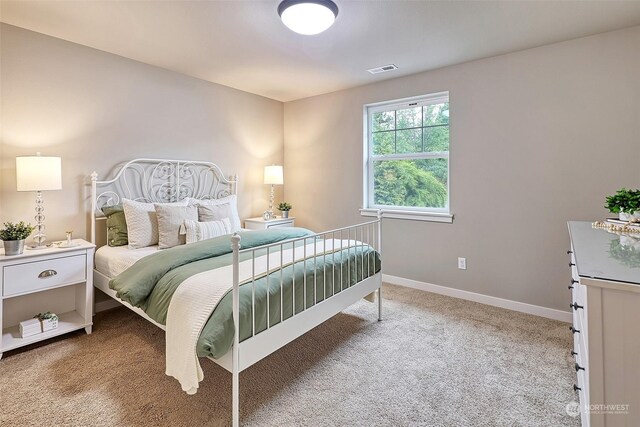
(197, 231)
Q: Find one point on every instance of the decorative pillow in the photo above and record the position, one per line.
(217, 209)
(170, 218)
(116, 225)
(142, 222)
(196, 231)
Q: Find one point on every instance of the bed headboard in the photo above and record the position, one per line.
(159, 181)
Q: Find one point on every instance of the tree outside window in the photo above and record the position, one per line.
(408, 161)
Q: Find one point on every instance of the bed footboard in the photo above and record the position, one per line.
(361, 280)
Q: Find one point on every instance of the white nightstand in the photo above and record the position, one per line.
(59, 280)
(262, 224)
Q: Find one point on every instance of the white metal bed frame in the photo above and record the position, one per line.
(157, 180)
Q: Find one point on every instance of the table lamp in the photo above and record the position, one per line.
(273, 176)
(38, 173)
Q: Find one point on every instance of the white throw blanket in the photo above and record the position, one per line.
(197, 297)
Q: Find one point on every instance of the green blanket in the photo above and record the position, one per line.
(151, 282)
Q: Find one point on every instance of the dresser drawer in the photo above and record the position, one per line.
(34, 276)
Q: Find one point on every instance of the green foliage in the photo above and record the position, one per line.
(416, 182)
(627, 201)
(410, 183)
(45, 316)
(17, 231)
(411, 130)
(284, 207)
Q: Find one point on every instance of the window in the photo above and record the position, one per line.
(407, 166)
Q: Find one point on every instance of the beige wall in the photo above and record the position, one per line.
(538, 137)
(95, 109)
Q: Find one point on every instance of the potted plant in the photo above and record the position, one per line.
(284, 207)
(626, 203)
(13, 236)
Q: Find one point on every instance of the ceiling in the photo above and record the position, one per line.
(243, 44)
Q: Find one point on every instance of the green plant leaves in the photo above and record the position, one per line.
(17, 231)
(625, 200)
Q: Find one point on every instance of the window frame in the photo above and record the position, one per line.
(402, 212)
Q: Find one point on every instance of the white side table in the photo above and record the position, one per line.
(59, 280)
(262, 224)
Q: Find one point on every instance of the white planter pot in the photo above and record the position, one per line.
(623, 216)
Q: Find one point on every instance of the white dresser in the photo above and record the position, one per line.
(605, 291)
(55, 279)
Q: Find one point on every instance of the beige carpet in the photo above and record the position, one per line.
(433, 361)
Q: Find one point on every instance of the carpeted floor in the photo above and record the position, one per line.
(433, 361)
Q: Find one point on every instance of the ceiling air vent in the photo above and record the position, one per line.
(383, 69)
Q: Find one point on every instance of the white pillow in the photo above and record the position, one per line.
(142, 222)
(170, 218)
(197, 231)
(217, 209)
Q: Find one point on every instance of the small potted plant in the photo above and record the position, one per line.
(626, 203)
(284, 207)
(13, 236)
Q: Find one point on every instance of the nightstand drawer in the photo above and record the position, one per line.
(263, 224)
(33, 276)
(280, 224)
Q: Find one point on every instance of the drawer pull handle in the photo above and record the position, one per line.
(576, 388)
(579, 368)
(47, 273)
(573, 330)
(575, 306)
(573, 281)
(573, 353)
(569, 287)
(569, 252)
(571, 264)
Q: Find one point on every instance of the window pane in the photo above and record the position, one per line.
(409, 141)
(409, 118)
(384, 143)
(385, 120)
(436, 114)
(411, 183)
(436, 138)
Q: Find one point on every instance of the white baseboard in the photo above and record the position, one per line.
(106, 305)
(550, 313)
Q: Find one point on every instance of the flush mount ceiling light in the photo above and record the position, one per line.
(308, 17)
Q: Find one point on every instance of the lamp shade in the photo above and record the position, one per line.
(273, 175)
(38, 173)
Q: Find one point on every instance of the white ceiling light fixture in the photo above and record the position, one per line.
(308, 17)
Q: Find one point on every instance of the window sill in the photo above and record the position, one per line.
(410, 215)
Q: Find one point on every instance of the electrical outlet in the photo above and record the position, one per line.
(462, 263)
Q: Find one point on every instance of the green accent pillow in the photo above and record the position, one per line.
(116, 225)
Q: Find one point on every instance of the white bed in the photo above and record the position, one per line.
(154, 180)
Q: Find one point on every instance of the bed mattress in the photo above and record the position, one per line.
(113, 260)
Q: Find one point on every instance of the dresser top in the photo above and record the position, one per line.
(601, 254)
